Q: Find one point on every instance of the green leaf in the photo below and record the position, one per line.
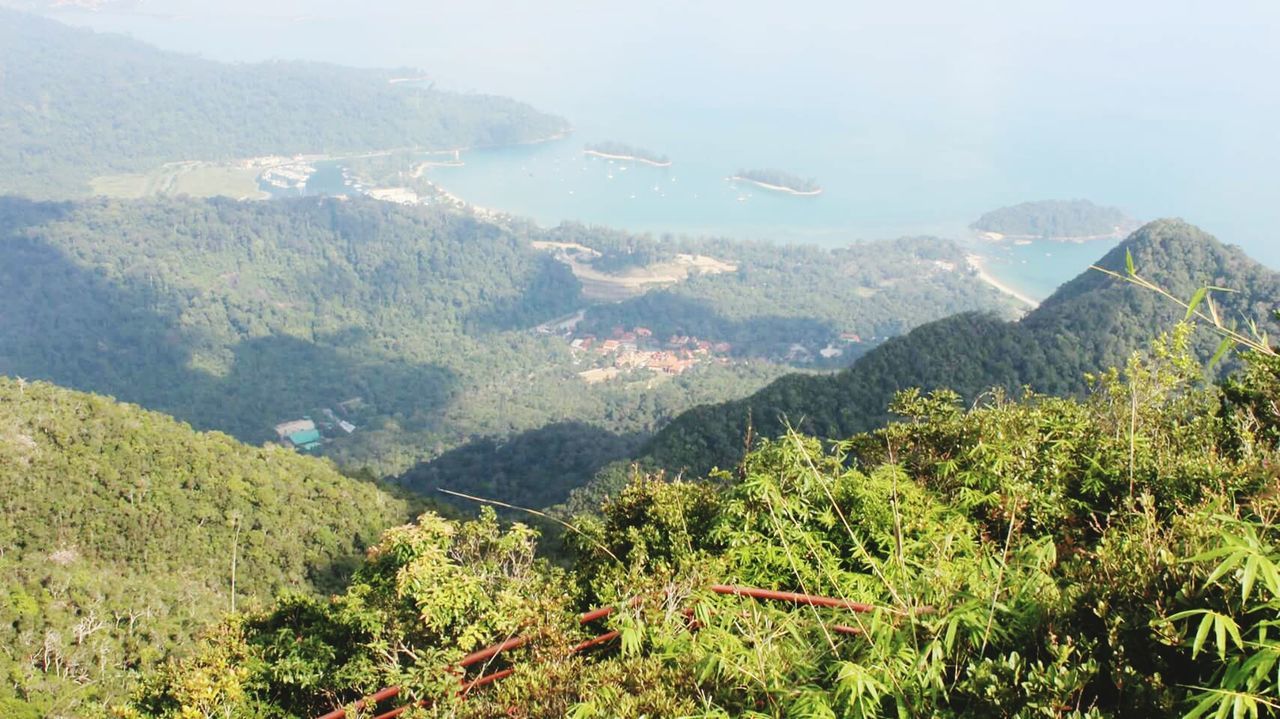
(1270, 577)
(1214, 553)
(1227, 566)
(1223, 347)
(1202, 634)
(1250, 575)
(1234, 630)
(632, 641)
(1220, 633)
(1196, 299)
(1207, 702)
(1128, 263)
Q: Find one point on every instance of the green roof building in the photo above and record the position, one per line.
(308, 439)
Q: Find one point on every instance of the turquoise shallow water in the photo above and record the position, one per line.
(1038, 268)
(555, 181)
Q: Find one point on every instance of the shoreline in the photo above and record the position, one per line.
(776, 188)
(976, 264)
(609, 156)
(991, 236)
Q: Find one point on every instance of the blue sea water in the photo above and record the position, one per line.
(555, 181)
(913, 125)
(1036, 269)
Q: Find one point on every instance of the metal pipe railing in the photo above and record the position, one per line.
(812, 600)
(371, 700)
(494, 650)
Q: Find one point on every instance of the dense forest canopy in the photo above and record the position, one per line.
(1055, 219)
(76, 105)
(119, 530)
(1090, 323)
(1109, 556)
(836, 301)
(238, 316)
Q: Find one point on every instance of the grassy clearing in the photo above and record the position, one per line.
(186, 178)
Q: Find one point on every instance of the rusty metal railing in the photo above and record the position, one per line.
(488, 653)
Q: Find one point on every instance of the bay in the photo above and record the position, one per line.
(911, 128)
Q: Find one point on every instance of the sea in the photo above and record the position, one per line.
(911, 126)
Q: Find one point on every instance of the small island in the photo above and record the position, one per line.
(1059, 220)
(623, 151)
(778, 181)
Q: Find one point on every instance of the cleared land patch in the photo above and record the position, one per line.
(197, 179)
(598, 286)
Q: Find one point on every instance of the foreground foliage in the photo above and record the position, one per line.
(124, 532)
(1113, 555)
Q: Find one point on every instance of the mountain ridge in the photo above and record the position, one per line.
(79, 104)
(1090, 323)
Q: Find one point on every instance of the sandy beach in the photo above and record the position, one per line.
(1118, 233)
(975, 262)
(776, 188)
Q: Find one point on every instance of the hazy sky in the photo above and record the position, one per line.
(1174, 105)
(994, 51)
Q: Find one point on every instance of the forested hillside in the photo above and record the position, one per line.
(75, 105)
(783, 296)
(124, 532)
(1091, 323)
(778, 298)
(414, 324)
(237, 316)
(1109, 556)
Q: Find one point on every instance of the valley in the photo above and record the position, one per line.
(331, 288)
(344, 391)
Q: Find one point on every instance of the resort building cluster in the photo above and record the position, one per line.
(637, 349)
(305, 436)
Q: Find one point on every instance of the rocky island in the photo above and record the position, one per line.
(622, 151)
(1060, 220)
(778, 181)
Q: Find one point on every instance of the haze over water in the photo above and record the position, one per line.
(914, 118)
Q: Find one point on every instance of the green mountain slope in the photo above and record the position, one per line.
(1098, 557)
(236, 316)
(811, 296)
(778, 298)
(1092, 322)
(121, 526)
(75, 105)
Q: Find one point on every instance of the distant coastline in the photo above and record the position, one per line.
(977, 265)
(776, 188)
(1118, 234)
(611, 156)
